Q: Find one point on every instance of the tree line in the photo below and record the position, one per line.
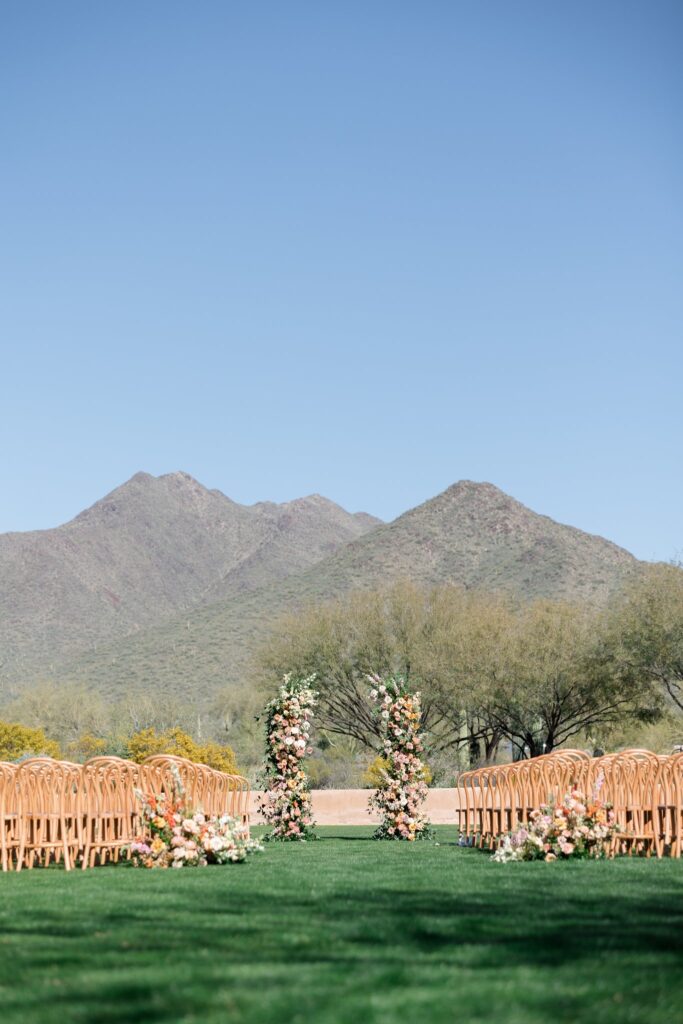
(496, 675)
(76, 722)
(492, 669)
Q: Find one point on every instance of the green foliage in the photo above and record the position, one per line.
(67, 713)
(88, 746)
(336, 763)
(398, 630)
(84, 725)
(488, 668)
(17, 741)
(661, 736)
(646, 631)
(549, 680)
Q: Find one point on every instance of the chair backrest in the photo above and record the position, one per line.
(163, 772)
(50, 804)
(630, 782)
(110, 785)
(10, 820)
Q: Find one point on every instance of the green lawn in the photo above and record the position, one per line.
(346, 931)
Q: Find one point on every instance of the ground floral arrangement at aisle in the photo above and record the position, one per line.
(286, 805)
(403, 789)
(573, 829)
(175, 836)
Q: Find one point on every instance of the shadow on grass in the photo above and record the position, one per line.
(515, 925)
(123, 946)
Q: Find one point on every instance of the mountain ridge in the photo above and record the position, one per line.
(149, 549)
(472, 533)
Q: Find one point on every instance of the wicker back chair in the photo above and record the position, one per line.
(10, 820)
(668, 806)
(630, 786)
(50, 808)
(164, 771)
(112, 819)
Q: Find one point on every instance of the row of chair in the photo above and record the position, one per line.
(644, 789)
(59, 811)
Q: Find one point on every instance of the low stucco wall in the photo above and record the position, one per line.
(350, 807)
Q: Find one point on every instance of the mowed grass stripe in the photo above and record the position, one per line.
(346, 930)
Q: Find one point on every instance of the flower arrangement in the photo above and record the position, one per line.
(287, 802)
(402, 788)
(175, 837)
(572, 829)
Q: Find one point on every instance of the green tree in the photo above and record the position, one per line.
(646, 631)
(488, 668)
(550, 679)
(437, 639)
(65, 712)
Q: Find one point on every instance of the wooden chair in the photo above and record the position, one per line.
(479, 783)
(644, 789)
(668, 806)
(10, 820)
(240, 795)
(465, 810)
(631, 779)
(112, 820)
(49, 802)
(163, 772)
(491, 806)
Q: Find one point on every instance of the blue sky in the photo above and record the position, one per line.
(360, 249)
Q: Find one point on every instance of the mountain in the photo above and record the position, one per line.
(151, 549)
(472, 534)
(475, 534)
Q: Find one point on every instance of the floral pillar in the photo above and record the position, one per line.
(286, 805)
(403, 789)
